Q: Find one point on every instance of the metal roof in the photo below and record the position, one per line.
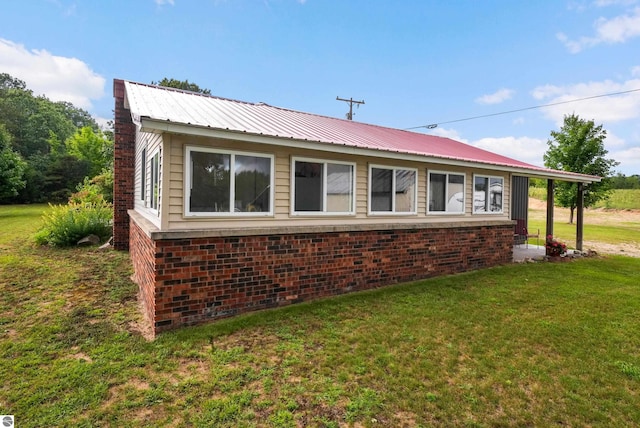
(160, 106)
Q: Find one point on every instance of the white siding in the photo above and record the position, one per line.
(149, 143)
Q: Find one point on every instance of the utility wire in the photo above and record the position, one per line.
(435, 125)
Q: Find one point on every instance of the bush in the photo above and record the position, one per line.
(97, 190)
(65, 225)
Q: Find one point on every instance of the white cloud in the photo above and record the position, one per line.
(163, 2)
(497, 97)
(614, 108)
(58, 78)
(609, 31)
(629, 160)
(448, 133)
(524, 149)
(613, 141)
(635, 71)
(605, 3)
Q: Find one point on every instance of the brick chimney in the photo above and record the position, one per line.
(124, 154)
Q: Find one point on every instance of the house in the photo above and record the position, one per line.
(228, 206)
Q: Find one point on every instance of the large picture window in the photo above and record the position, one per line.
(487, 194)
(221, 182)
(392, 190)
(446, 193)
(322, 187)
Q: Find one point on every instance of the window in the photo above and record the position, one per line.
(323, 187)
(154, 167)
(221, 182)
(392, 190)
(143, 174)
(446, 193)
(487, 194)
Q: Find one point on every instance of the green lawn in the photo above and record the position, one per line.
(546, 344)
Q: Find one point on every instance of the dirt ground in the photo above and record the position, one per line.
(537, 210)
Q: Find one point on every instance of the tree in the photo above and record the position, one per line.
(180, 84)
(579, 147)
(9, 82)
(30, 120)
(12, 168)
(38, 130)
(620, 181)
(92, 147)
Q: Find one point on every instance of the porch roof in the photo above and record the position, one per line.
(160, 109)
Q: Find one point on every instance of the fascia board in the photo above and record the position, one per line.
(160, 126)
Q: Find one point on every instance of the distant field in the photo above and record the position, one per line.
(610, 231)
(621, 199)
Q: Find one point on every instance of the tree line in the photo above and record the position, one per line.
(46, 148)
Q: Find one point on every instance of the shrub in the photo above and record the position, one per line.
(65, 225)
(97, 190)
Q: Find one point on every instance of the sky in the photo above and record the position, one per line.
(458, 64)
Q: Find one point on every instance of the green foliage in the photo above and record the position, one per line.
(579, 147)
(620, 181)
(632, 371)
(12, 167)
(538, 183)
(65, 225)
(182, 84)
(9, 82)
(38, 127)
(91, 147)
(97, 190)
(62, 175)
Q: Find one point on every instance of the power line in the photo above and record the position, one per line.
(435, 125)
(351, 102)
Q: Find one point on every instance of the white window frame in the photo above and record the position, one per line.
(324, 212)
(487, 195)
(143, 175)
(446, 192)
(153, 198)
(393, 212)
(233, 153)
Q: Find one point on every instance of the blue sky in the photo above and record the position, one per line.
(413, 62)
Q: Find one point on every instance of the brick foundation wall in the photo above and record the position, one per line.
(202, 279)
(123, 168)
(143, 256)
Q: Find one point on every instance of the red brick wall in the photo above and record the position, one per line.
(123, 168)
(208, 278)
(143, 256)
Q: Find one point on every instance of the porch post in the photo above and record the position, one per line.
(550, 186)
(579, 216)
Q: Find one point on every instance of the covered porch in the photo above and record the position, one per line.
(520, 215)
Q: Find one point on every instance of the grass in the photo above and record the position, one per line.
(620, 199)
(598, 226)
(519, 345)
(618, 233)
